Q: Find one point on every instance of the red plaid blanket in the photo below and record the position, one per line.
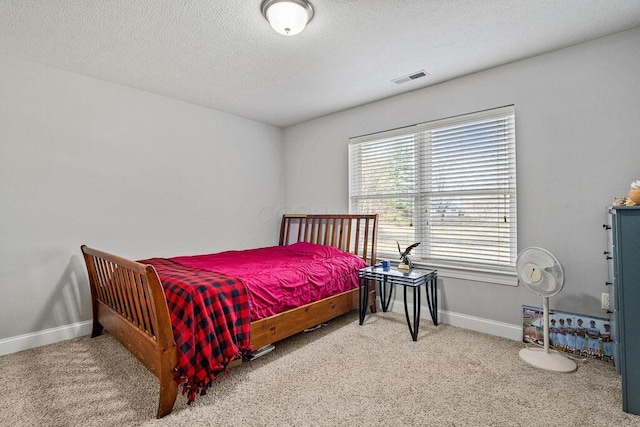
(210, 318)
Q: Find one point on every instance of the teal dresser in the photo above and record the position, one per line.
(625, 253)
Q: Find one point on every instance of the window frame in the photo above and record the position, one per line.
(493, 273)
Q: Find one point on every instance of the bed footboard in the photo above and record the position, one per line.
(128, 300)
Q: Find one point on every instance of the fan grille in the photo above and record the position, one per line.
(539, 271)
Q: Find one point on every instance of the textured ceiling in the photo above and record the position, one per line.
(222, 54)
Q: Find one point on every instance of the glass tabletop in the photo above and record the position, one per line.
(415, 273)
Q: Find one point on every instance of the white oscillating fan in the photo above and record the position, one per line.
(541, 272)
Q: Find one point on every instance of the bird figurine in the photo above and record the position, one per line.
(406, 263)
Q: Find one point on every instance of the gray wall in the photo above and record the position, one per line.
(578, 146)
(85, 161)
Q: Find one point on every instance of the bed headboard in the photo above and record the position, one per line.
(357, 234)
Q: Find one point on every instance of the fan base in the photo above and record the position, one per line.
(551, 361)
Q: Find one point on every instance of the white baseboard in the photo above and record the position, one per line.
(47, 336)
(478, 324)
(75, 330)
(487, 326)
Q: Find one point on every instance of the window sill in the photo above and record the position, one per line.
(506, 277)
(496, 277)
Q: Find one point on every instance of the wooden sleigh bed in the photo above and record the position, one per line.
(128, 298)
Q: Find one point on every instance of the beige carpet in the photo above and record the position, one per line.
(340, 375)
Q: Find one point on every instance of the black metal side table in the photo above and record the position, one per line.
(411, 279)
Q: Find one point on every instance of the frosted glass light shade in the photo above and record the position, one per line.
(288, 17)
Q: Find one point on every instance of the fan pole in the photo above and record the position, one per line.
(545, 310)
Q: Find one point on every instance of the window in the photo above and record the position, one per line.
(449, 184)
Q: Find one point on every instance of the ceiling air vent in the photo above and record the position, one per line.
(412, 76)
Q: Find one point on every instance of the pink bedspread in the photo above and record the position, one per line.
(280, 278)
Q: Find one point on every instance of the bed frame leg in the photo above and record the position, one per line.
(97, 328)
(372, 297)
(373, 307)
(168, 394)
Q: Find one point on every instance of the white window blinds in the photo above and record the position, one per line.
(450, 184)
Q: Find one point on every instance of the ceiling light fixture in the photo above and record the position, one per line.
(288, 17)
